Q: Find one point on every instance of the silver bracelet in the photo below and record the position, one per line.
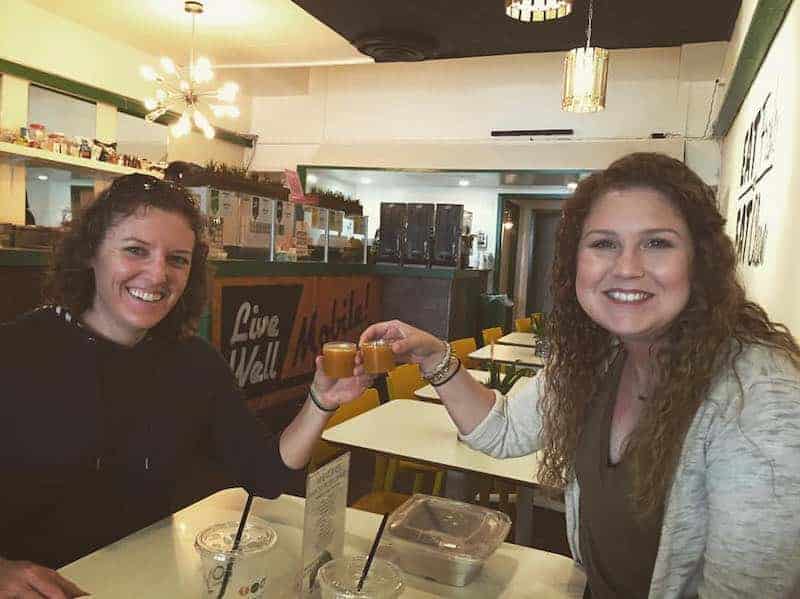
(453, 364)
(441, 367)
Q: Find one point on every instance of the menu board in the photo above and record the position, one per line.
(324, 521)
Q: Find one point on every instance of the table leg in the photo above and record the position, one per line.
(524, 521)
(458, 485)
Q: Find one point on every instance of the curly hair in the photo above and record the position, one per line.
(712, 329)
(70, 282)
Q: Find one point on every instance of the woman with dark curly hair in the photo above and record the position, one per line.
(669, 409)
(109, 397)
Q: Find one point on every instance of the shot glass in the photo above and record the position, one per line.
(378, 356)
(339, 359)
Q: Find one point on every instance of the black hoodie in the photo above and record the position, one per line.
(93, 435)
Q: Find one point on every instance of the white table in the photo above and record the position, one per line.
(509, 354)
(517, 338)
(423, 432)
(429, 393)
(160, 560)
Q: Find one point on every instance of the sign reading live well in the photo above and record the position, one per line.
(270, 329)
(256, 324)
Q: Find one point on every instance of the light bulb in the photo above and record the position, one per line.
(227, 93)
(167, 65)
(182, 127)
(184, 85)
(508, 225)
(200, 120)
(209, 132)
(152, 116)
(150, 104)
(148, 72)
(202, 71)
(223, 110)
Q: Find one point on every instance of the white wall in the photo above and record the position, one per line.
(775, 284)
(439, 114)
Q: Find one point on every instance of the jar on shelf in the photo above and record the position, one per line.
(37, 135)
(55, 143)
(85, 149)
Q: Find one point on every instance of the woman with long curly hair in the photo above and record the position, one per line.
(109, 397)
(669, 408)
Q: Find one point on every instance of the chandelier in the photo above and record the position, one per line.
(188, 89)
(585, 76)
(531, 11)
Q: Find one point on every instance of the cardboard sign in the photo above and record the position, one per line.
(325, 518)
(292, 181)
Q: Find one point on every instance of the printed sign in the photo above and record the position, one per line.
(758, 157)
(324, 521)
(295, 188)
(256, 327)
(270, 330)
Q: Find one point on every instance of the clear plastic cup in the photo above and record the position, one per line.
(338, 579)
(248, 566)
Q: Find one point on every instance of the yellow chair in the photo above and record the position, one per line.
(463, 348)
(404, 380)
(401, 383)
(382, 499)
(491, 335)
(323, 451)
(523, 325)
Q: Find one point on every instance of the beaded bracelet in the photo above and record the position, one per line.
(313, 395)
(439, 383)
(441, 366)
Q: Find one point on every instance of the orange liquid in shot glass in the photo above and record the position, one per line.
(378, 356)
(339, 359)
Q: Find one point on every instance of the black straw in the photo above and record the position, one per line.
(372, 551)
(236, 541)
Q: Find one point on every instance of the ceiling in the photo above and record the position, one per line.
(310, 32)
(462, 28)
(274, 32)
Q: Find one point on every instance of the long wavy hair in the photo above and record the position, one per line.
(712, 329)
(70, 282)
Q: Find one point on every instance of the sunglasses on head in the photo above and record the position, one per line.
(138, 183)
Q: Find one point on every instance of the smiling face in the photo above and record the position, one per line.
(140, 269)
(634, 264)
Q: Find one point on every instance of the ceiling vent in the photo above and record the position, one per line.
(397, 46)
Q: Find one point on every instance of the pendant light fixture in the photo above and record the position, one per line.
(532, 11)
(187, 89)
(585, 76)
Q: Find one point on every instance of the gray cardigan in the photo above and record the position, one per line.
(732, 520)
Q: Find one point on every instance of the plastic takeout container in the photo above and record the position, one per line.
(444, 540)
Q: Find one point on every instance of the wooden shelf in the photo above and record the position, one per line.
(34, 157)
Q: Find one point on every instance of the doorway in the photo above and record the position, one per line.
(543, 231)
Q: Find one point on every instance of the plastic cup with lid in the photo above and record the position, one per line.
(248, 564)
(338, 579)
